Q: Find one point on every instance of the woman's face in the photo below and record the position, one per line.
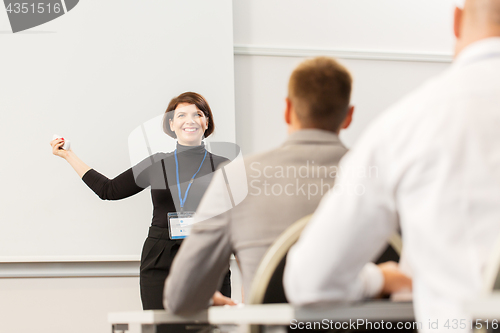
(189, 123)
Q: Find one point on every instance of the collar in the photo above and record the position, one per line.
(313, 136)
(483, 49)
(191, 149)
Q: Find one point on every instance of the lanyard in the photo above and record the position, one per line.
(183, 201)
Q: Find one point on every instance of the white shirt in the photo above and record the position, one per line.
(430, 164)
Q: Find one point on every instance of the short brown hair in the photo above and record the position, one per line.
(320, 90)
(191, 98)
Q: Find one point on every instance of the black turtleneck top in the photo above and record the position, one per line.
(158, 171)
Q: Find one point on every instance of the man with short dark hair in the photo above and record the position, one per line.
(320, 90)
(284, 185)
(438, 153)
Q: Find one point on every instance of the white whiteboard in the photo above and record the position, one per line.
(93, 76)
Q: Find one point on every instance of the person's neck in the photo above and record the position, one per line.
(200, 149)
(472, 38)
(295, 125)
(298, 127)
(189, 144)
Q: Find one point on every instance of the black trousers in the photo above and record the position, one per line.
(157, 256)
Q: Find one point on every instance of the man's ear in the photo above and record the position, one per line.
(457, 22)
(288, 111)
(348, 118)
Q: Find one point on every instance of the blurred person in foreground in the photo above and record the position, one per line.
(284, 184)
(438, 156)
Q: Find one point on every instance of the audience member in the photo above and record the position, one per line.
(438, 156)
(284, 185)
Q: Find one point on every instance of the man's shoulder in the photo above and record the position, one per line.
(297, 153)
(411, 125)
(423, 101)
(261, 156)
(272, 156)
(409, 112)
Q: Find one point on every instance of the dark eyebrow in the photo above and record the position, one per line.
(184, 112)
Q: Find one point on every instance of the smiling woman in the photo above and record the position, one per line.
(188, 118)
(178, 181)
(188, 123)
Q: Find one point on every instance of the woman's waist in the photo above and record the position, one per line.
(161, 233)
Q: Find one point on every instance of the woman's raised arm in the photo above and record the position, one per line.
(78, 165)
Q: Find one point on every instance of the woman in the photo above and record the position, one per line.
(189, 168)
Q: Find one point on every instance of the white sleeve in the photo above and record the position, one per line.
(372, 280)
(349, 229)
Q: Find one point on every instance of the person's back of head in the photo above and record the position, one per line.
(476, 20)
(319, 92)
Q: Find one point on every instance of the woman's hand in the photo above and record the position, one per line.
(57, 150)
(77, 164)
(219, 299)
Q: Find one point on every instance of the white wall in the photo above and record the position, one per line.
(58, 305)
(76, 305)
(417, 31)
(272, 37)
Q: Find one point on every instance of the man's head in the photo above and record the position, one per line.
(319, 91)
(475, 20)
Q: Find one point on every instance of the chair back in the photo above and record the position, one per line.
(393, 249)
(267, 286)
(492, 271)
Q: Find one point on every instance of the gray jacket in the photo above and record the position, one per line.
(283, 185)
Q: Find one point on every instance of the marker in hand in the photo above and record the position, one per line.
(66, 142)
